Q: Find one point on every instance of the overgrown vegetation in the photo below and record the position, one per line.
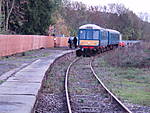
(126, 72)
(128, 83)
(137, 56)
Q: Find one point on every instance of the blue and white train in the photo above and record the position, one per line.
(93, 38)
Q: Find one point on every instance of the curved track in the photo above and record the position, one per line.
(109, 92)
(66, 86)
(85, 92)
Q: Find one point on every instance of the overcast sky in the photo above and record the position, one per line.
(134, 5)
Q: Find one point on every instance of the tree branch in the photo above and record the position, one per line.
(7, 20)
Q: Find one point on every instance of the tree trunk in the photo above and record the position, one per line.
(0, 7)
(9, 13)
(0, 13)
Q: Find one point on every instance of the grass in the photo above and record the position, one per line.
(134, 95)
(126, 71)
(147, 50)
(28, 54)
(128, 83)
(1, 81)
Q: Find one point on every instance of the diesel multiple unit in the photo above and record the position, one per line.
(93, 38)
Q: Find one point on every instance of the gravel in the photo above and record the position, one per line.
(51, 103)
(52, 97)
(87, 95)
(135, 108)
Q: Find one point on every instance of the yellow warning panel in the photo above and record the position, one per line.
(89, 42)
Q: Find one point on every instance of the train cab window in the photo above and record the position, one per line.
(95, 34)
(89, 34)
(82, 34)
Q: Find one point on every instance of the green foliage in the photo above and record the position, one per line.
(38, 14)
(30, 16)
(134, 96)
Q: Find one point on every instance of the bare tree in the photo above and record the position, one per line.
(9, 13)
(0, 14)
(0, 7)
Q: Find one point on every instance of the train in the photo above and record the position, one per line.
(95, 39)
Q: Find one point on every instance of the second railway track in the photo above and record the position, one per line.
(86, 93)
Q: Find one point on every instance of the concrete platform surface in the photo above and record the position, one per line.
(18, 93)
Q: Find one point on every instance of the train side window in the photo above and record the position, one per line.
(116, 36)
(95, 34)
(82, 34)
(104, 35)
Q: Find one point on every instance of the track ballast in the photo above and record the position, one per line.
(88, 94)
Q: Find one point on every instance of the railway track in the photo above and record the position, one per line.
(85, 92)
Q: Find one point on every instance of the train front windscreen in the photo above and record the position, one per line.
(89, 37)
(89, 34)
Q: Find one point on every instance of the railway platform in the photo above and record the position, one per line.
(18, 93)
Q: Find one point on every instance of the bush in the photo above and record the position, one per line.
(137, 55)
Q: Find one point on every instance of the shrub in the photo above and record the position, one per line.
(137, 55)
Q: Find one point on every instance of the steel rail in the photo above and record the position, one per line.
(66, 85)
(114, 97)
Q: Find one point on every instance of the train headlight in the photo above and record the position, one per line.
(82, 49)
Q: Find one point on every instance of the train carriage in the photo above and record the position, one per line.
(93, 38)
(114, 37)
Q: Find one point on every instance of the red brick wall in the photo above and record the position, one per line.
(11, 44)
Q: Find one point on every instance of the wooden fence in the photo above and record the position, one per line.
(12, 44)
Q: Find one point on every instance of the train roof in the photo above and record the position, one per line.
(90, 26)
(93, 26)
(113, 31)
